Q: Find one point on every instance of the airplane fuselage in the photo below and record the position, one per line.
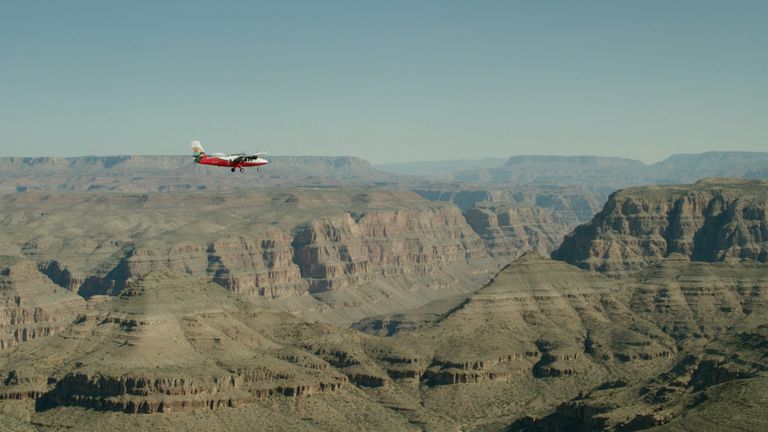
(229, 161)
(232, 161)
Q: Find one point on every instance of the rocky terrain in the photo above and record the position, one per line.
(335, 255)
(512, 219)
(712, 220)
(544, 346)
(232, 309)
(169, 345)
(717, 313)
(574, 204)
(32, 305)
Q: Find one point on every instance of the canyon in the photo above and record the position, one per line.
(299, 250)
(363, 307)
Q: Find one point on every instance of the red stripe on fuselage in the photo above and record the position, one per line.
(225, 163)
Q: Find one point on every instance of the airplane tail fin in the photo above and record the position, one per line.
(197, 149)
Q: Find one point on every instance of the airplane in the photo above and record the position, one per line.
(233, 161)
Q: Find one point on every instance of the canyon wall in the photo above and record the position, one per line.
(711, 221)
(362, 251)
(31, 306)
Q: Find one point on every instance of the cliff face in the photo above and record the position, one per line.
(342, 252)
(254, 267)
(166, 344)
(571, 203)
(716, 313)
(542, 318)
(515, 219)
(30, 305)
(511, 231)
(713, 221)
(393, 249)
(697, 302)
(621, 353)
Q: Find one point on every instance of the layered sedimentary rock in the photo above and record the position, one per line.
(32, 306)
(723, 387)
(394, 249)
(167, 343)
(570, 203)
(514, 219)
(511, 231)
(571, 341)
(713, 221)
(246, 265)
(697, 302)
(544, 319)
(345, 251)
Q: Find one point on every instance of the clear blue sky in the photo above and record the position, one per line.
(385, 80)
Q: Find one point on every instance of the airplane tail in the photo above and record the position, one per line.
(197, 149)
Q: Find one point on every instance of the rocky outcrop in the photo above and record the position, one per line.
(697, 302)
(255, 267)
(515, 219)
(719, 382)
(511, 231)
(571, 204)
(31, 306)
(712, 221)
(541, 319)
(346, 251)
(140, 395)
(165, 344)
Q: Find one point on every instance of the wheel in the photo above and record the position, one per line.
(233, 169)
(258, 169)
(242, 169)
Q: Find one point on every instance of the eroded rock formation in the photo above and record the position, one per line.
(31, 305)
(713, 221)
(396, 249)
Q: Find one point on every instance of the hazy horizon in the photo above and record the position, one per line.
(387, 82)
(469, 159)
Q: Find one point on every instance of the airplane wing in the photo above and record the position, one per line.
(250, 157)
(247, 157)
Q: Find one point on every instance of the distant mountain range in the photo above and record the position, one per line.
(440, 169)
(142, 173)
(608, 173)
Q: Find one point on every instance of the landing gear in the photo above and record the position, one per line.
(242, 169)
(258, 169)
(233, 169)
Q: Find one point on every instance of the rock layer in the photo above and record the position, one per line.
(712, 221)
(304, 248)
(32, 306)
(511, 231)
(167, 343)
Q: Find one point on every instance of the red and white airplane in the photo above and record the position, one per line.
(234, 161)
